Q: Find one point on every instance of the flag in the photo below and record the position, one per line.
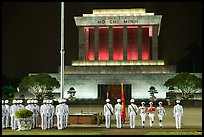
(123, 115)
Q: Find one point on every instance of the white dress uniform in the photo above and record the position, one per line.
(36, 110)
(3, 114)
(118, 111)
(7, 116)
(29, 107)
(108, 111)
(161, 113)
(143, 113)
(60, 115)
(50, 114)
(151, 111)
(43, 113)
(65, 114)
(13, 109)
(178, 113)
(132, 111)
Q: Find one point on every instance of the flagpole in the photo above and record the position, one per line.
(62, 51)
(123, 115)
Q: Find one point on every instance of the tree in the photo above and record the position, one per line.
(39, 85)
(8, 91)
(152, 91)
(186, 83)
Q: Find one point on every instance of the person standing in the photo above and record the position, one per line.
(118, 111)
(3, 114)
(161, 113)
(151, 111)
(178, 113)
(59, 113)
(7, 108)
(36, 109)
(29, 107)
(132, 111)
(65, 113)
(13, 109)
(143, 113)
(108, 111)
(43, 113)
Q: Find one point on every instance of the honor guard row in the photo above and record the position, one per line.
(144, 111)
(46, 111)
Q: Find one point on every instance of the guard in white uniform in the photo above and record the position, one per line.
(143, 113)
(43, 113)
(161, 113)
(151, 111)
(37, 111)
(13, 109)
(60, 115)
(178, 113)
(7, 116)
(3, 114)
(132, 111)
(65, 113)
(118, 111)
(52, 111)
(108, 111)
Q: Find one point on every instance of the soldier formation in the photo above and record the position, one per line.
(47, 111)
(144, 111)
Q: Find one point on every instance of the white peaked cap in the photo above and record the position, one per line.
(142, 102)
(150, 102)
(60, 100)
(2, 101)
(6, 101)
(44, 101)
(14, 101)
(177, 101)
(132, 100)
(21, 101)
(28, 101)
(35, 101)
(51, 101)
(160, 102)
(107, 100)
(118, 100)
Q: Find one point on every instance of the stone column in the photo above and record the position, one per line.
(110, 47)
(139, 42)
(96, 43)
(155, 42)
(81, 43)
(124, 42)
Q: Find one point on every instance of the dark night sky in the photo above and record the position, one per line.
(31, 32)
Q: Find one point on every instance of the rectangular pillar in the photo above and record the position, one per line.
(110, 49)
(155, 42)
(124, 42)
(96, 43)
(139, 42)
(81, 43)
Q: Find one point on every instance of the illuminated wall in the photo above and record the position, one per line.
(132, 53)
(103, 43)
(103, 38)
(117, 43)
(145, 43)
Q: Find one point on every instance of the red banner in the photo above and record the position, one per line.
(123, 115)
